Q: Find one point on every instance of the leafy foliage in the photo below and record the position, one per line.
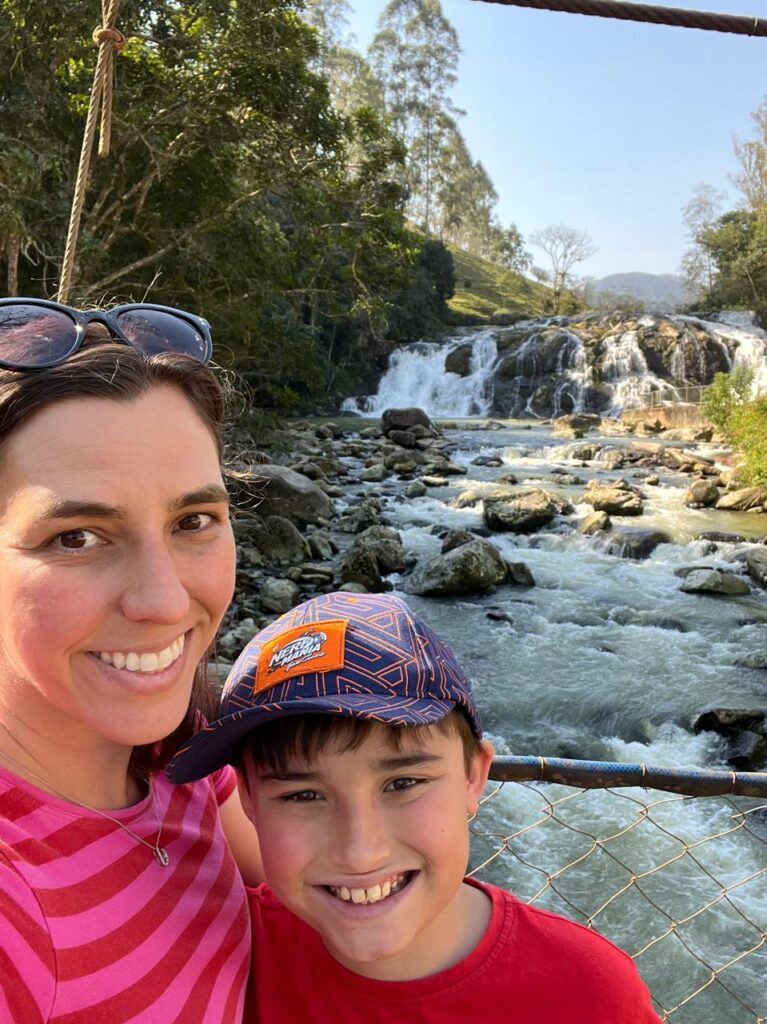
(234, 187)
(742, 419)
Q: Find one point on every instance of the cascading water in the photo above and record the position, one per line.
(549, 368)
(417, 377)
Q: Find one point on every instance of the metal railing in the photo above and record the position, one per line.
(678, 394)
(653, 860)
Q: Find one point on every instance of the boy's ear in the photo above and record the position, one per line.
(480, 769)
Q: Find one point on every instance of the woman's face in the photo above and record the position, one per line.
(116, 567)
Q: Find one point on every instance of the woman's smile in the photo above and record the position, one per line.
(118, 563)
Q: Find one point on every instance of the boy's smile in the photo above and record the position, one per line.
(369, 846)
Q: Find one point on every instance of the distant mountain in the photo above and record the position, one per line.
(657, 291)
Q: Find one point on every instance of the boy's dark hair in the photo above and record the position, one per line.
(303, 737)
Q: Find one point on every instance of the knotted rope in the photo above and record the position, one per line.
(109, 40)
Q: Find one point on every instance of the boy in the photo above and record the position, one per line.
(361, 758)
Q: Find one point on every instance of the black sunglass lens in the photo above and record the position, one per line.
(33, 336)
(153, 331)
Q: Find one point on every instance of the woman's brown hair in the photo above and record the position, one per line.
(123, 374)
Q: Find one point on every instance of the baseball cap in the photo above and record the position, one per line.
(363, 656)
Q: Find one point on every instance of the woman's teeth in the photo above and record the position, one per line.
(374, 894)
(145, 662)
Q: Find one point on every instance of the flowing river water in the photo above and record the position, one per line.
(605, 658)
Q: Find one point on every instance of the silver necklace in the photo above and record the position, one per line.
(159, 853)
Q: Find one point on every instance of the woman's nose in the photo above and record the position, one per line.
(154, 589)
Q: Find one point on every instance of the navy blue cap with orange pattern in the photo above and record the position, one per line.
(357, 655)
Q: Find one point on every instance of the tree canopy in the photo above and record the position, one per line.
(234, 188)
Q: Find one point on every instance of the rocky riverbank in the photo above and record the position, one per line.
(316, 512)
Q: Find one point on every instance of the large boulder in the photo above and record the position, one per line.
(292, 495)
(459, 360)
(614, 500)
(523, 513)
(702, 494)
(278, 595)
(745, 731)
(375, 553)
(713, 581)
(636, 544)
(744, 499)
(756, 560)
(404, 419)
(279, 541)
(475, 567)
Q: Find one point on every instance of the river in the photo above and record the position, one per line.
(604, 658)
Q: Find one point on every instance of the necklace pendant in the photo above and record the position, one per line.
(161, 856)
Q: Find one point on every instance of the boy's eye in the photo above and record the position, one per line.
(302, 796)
(402, 783)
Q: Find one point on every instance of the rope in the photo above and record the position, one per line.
(614, 774)
(651, 13)
(109, 40)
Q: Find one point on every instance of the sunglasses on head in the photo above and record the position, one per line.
(35, 333)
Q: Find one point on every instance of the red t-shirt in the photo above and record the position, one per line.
(531, 967)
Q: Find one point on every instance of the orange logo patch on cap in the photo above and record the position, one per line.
(317, 647)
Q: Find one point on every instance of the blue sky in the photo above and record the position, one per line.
(599, 124)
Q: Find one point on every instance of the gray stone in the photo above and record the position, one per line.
(416, 489)
(713, 581)
(403, 419)
(614, 500)
(756, 560)
(743, 500)
(519, 575)
(292, 495)
(278, 540)
(595, 522)
(375, 474)
(459, 360)
(524, 513)
(476, 567)
(455, 538)
(702, 494)
(278, 595)
(321, 545)
(404, 438)
(636, 544)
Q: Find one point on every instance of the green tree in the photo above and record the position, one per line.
(414, 55)
(233, 188)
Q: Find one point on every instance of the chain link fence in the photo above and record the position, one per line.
(676, 394)
(671, 872)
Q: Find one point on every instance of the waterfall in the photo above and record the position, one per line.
(417, 377)
(595, 363)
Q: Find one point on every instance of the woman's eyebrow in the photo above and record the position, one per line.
(213, 494)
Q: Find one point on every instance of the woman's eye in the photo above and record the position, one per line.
(76, 540)
(195, 522)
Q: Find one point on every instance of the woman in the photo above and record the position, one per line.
(119, 898)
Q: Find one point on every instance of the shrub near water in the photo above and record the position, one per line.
(742, 420)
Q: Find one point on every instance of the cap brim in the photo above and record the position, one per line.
(218, 743)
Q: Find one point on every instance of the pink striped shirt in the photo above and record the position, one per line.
(93, 930)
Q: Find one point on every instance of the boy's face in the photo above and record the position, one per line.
(369, 847)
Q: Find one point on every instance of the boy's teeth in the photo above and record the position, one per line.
(374, 894)
(147, 663)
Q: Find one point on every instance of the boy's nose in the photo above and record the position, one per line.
(359, 840)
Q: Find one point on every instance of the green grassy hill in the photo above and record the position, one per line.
(482, 288)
